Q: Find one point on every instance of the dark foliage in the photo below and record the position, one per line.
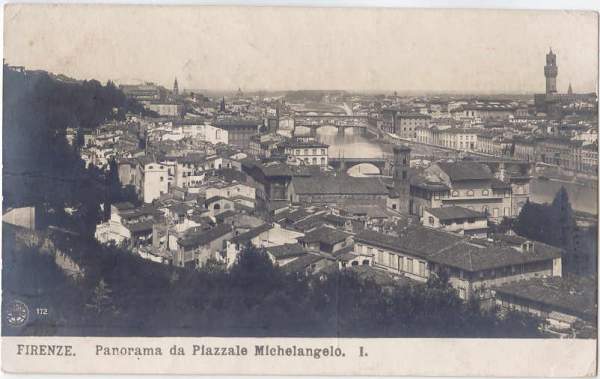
(40, 168)
(549, 223)
(555, 225)
(121, 294)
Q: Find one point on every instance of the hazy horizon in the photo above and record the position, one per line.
(278, 49)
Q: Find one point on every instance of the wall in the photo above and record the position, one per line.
(24, 216)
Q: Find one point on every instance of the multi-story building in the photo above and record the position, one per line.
(198, 245)
(151, 179)
(239, 131)
(492, 143)
(458, 138)
(311, 153)
(524, 148)
(333, 190)
(143, 92)
(127, 223)
(404, 124)
(473, 269)
(457, 220)
(590, 158)
(169, 109)
(271, 180)
(483, 112)
(237, 192)
(469, 185)
(556, 151)
(263, 146)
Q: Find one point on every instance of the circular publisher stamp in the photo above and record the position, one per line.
(17, 313)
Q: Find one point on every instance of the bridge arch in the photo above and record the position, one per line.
(363, 169)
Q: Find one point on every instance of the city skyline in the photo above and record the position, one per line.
(332, 55)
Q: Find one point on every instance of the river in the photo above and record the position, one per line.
(583, 198)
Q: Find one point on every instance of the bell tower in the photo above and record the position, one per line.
(175, 88)
(401, 176)
(550, 72)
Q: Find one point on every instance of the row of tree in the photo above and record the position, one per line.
(122, 294)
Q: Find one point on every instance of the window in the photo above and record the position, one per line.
(431, 220)
(400, 263)
(403, 174)
(162, 179)
(380, 256)
(322, 152)
(369, 250)
(421, 268)
(496, 212)
(322, 161)
(409, 265)
(392, 261)
(506, 212)
(454, 193)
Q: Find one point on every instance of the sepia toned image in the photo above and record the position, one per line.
(326, 179)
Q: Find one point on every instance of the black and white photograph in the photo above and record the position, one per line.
(287, 172)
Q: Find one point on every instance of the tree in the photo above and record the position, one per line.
(563, 218)
(101, 299)
(538, 222)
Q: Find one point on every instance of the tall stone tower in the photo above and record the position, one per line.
(175, 88)
(401, 177)
(550, 72)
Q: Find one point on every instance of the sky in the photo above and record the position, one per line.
(290, 48)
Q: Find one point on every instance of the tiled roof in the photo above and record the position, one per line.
(459, 171)
(567, 295)
(143, 226)
(326, 235)
(245, 237)
(302, 262)
(215, 198)
(499, 184)
(454, 213)
(455, 251)
(195, 238)
(222, 216)
(471, 257)
(342, 185)
(309, 223)
(288, 250)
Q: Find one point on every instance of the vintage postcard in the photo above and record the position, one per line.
(301, 191)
